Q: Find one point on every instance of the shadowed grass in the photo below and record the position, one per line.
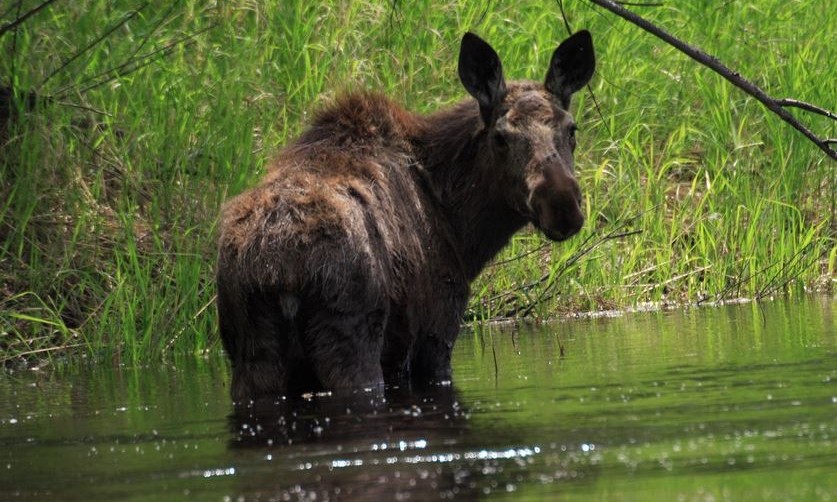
(148, 117)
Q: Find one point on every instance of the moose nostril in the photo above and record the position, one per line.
(557, 212)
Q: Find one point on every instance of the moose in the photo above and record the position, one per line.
(348, 266)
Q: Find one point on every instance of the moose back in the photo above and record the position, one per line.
(348, 266)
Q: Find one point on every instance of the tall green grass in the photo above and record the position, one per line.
(112, 181)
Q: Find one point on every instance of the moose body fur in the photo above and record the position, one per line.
(348, 266)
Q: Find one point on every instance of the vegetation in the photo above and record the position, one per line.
(125, 124)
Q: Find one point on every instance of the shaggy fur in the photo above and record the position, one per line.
(349, 264)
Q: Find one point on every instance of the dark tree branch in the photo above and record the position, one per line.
(807, 107)
(735, 78)
(17, 5)
(20, 19)
(641, 4)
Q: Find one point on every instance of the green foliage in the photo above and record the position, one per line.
(145, 117)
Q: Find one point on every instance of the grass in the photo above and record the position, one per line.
(149, 115)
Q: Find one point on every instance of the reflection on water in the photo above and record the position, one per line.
(732, 403)
(367, 446)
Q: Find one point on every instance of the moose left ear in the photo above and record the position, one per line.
(571, 67)
(481, 74)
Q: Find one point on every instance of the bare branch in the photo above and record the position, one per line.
(735, 78)
(13, 6)
(509, 304)
(641, 4)
(807, 107)
(92, 44)
(21, 19)
(589, 87)
(132, 64)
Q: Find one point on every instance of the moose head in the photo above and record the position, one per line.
(529, 132)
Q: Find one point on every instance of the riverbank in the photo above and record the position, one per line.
(136, 125)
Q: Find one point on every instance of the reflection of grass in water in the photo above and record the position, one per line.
(722, 402)
(589, 425)
(111, 187)
(646, 376)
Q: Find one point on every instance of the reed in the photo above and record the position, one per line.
(133, 121)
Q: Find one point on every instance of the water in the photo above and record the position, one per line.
(731, 403)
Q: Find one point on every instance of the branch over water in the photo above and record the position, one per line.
(777, 106)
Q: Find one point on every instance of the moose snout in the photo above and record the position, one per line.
(556, 208)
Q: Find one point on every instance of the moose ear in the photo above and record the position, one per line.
(481, 73)
(571, 67)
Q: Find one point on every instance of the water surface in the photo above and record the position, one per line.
(729, 403)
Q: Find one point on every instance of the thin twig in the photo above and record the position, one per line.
(154, 29)
(518, 257)
(508, 303)
(564, 17)
(14, 53)
(547, 293)
(807, 107)
(92, 44)
(40, 351)
(22, 18)
(82, 107)
(133, 64)
(197, 314)
(642, 4)
(714, 64)
(651, 287)
(494, 354)
(735, 285)
(782, 277)
(12, 7)
(589, 88)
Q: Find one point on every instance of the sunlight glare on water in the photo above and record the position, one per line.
(729, 403)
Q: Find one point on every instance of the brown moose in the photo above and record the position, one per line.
(349, 265)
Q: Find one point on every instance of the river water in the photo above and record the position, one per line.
(724, 403)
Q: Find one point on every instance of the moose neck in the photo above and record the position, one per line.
(467, 183)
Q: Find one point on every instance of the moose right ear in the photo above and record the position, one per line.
(481, 73)
(571, 67)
